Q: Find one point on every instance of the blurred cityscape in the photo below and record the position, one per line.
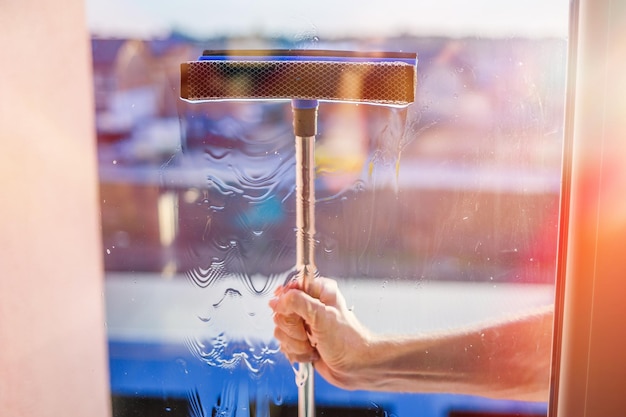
(462, 185)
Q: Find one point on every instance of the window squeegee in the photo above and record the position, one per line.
(305, 77)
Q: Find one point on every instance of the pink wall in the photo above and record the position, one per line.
(53, 358)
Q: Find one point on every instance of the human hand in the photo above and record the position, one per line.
(498, 359)
(318, 327)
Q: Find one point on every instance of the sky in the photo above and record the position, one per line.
(328, 18)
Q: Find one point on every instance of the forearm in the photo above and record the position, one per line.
(510, 359)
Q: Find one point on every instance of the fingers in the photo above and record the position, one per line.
(296, 350)
(294, 313)
(301, 318)
(294, 341)
(292, 325)
(299, 303)
(324, 289)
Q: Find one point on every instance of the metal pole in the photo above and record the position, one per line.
(305, 129)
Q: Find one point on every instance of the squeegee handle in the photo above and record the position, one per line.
(305, 129)
(305, 118)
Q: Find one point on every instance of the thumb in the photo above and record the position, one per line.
(327, 291)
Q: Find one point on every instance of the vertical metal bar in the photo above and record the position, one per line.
(305, 252)
(305, 209)
(305, 129)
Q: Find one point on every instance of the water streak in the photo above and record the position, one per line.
(243, 245)
(239, 241)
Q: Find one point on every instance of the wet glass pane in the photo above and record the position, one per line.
(431, 218)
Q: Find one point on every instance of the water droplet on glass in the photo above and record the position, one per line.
(301, 374)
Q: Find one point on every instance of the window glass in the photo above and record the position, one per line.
(430, 217)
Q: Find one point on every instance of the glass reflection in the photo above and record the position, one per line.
(432, 217)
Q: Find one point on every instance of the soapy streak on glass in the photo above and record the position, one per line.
(243, 253)
(383, 169)
(228, 341)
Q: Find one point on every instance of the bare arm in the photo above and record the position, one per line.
(505, 359)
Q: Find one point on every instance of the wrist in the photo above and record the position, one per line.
(378, 362)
